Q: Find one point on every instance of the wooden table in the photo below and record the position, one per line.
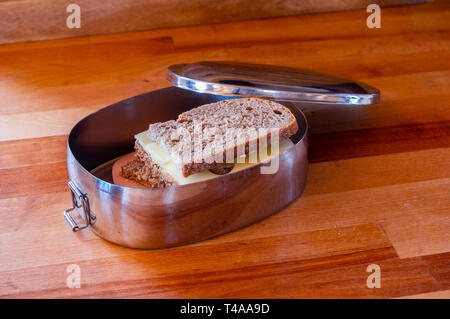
(378, 189)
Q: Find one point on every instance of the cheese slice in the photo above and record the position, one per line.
(162, 158)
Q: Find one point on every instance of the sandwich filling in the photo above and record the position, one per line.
(165, 171)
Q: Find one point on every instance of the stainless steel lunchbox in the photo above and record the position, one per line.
(165, 217)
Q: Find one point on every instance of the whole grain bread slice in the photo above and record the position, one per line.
(191, 139)
(144, 171)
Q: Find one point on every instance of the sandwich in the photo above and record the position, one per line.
(209, 141)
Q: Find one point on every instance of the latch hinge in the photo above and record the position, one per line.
(80, 201)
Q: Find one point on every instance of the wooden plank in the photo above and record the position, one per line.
(28, 20)
(34, 212)
(441, 294)
(40, 124)
(420, 234)
(373, 171)
(231, 253)
(396, 20)
(370, 142)
(439, 266)
(75, 96)
(373, 205)
(333, 281)
(64, 77)
(295, 53)
(404, 101)
(31, 180)
(360, 244)
(328, 55)
(33, 151)
(80, 63)
(339, 276)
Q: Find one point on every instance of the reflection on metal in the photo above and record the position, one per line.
(271, 82)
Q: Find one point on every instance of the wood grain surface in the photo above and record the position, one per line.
(378, 184)
(31, 20)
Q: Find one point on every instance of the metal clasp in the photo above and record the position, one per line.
(79, 201)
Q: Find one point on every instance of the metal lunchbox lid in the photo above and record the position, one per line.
(271, 82)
